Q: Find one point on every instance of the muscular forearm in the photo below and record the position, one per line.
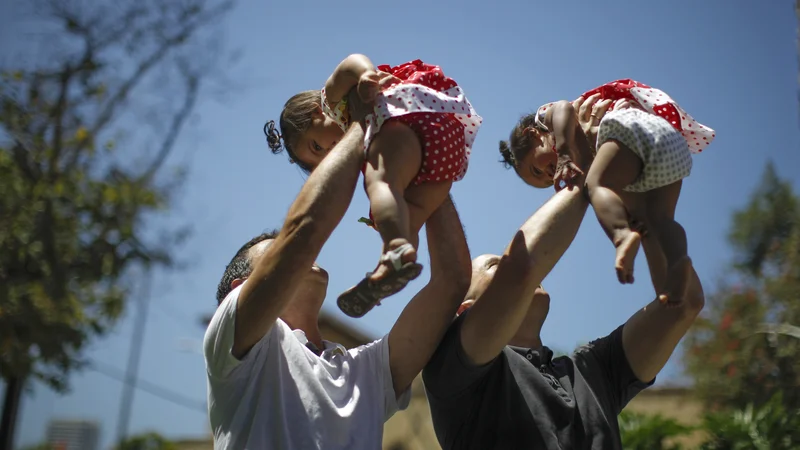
(327, 193)
(551, 230)
(346, 76)
(423, 322)
(651, 335)
(315, 213)
(533, 252)
(447, 244)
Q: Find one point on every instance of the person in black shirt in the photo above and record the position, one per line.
(492, 384)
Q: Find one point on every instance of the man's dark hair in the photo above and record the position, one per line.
(240, 266)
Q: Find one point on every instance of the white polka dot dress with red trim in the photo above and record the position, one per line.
(658, 131)
(657, 102)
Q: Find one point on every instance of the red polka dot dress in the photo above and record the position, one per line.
(435, 107)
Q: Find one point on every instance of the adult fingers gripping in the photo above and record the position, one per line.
(587, 107)
(601, 108)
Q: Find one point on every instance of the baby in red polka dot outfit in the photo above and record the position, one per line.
(643, 152)
(418, 139)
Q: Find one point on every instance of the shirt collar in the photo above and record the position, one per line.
(541, 356)
(330, 347)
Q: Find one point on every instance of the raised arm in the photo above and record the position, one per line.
(652, 333)
(532, 254)
(570, 140)
(417, 332)
(563, 120)
(346, 76)
(315, 213)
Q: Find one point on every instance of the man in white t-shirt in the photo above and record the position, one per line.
(273, 383)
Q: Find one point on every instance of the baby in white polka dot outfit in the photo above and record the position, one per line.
(419, 134)
(643, 151)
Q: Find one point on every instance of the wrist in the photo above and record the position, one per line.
(356, 130)
(364, 75)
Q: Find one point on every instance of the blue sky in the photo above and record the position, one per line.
(730, 64)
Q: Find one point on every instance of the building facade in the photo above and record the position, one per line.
(73, 435)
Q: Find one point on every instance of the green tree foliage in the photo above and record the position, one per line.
(650, 432)
(43, 446)
(744, 350)
(147, 441)
(771, 426)
(76, 192)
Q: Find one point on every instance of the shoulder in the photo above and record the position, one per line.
(338, 111)
(543, 113)
(219, 336)
(450, 361)
(224, 318)
(451, 342)
(601, 352)
(378, 347)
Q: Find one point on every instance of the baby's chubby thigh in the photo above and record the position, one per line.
(423, 200)
(394, 155)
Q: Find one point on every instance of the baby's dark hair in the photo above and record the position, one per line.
(519, 143)
(296, 117)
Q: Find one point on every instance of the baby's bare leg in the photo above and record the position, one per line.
(422, 201)
(636, 204)
(656, 260)
(615, 167)
(661, 204)
(393, 160)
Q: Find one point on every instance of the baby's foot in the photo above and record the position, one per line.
(397, 268)
(626, 255)
(677, 282)
(384, 267)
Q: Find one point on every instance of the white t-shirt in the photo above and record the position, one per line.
(283, 396)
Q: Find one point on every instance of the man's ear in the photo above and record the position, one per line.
(237, 282)
(532, 132)
(465, 306)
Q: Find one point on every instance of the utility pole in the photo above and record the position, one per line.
(135, 352)
(11, 404)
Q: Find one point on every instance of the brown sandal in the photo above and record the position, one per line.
(361, 298)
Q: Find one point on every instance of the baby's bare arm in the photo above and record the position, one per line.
(562, 120)
(574, 153)
(346, 76)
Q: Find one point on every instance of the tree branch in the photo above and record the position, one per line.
(148, 63)
(57, 116)
(178, 121)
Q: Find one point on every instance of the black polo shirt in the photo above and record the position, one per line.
(526, 399)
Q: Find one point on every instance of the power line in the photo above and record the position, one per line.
(176, 317)
(151, 388)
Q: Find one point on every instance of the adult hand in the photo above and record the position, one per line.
(625, 104)
(373, 82)
(590, 112)
(567, 173)
(358, 108)
(360, 99)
